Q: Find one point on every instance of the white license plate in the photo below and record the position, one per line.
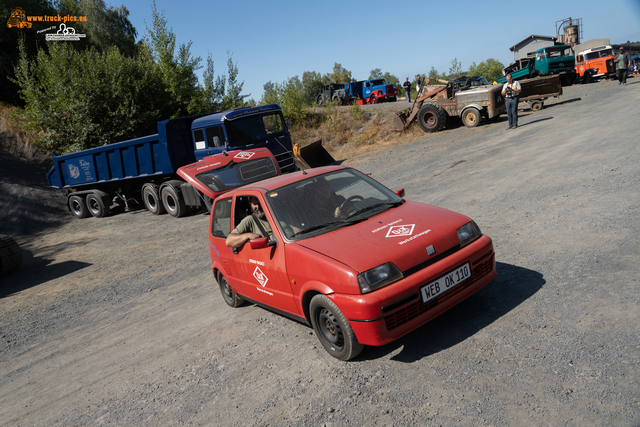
(445, 282)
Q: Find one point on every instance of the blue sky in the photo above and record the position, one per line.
(275, 40)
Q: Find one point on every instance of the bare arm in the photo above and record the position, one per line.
(237, 240)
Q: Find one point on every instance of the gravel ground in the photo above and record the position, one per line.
(119, 321)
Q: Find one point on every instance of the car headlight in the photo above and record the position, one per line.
(468, 233)
(378, 277)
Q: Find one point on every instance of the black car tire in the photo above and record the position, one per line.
(231, 298)
(333, 329)
(431, 117)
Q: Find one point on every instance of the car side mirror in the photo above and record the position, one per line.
(262, 242)
(400, 192)
(259, 243)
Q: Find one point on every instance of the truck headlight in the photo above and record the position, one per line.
(468, 233)
(378, 277)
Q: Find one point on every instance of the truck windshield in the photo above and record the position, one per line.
(379, 82)
(252, 129)
(556, 53)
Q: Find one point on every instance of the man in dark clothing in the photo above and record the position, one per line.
(623, 60)
(407, 88)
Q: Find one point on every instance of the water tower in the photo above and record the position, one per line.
(569, 31)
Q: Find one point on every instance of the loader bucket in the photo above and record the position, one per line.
(400, 120)
(312, 156)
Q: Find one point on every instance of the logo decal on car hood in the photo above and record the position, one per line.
(400, 230)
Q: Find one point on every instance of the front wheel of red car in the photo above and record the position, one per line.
(333, 329)
(231, 298)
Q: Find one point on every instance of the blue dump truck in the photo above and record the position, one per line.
(143, 170)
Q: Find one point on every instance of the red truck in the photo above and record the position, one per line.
(345, 255)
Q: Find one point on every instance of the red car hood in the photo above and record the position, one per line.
(400, 235)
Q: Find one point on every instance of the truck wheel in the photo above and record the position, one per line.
(172, 202)
(319, 101)
(536, 105)
(231, 298)
(78, 207)
(337, 101)
(10, 255)
(96, 206)
(471, 117)
(373, 100)
(151, 199)
(431, 117)
(333, 329)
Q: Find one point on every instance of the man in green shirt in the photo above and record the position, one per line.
(248, 229)
(623, 60)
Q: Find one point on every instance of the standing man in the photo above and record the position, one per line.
(511, 91)
(418, 84)
(407, 88)
(623, 60)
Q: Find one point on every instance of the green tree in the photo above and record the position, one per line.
(105, 26)
(233, 97)
(339, 75)
(289, 95)
(85, 99)
(376, 73)
(311, 86)
(455, 70)
(490, 69)
(178, 69)
(9, 37)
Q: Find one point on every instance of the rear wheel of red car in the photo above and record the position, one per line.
(231, 298)
(333, 329)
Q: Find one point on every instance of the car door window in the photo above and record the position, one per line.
(221, 218)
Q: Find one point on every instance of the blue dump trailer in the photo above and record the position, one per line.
(142, 171)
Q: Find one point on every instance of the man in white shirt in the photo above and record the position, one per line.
(511, 91)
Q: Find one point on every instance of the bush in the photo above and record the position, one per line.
(86, 99)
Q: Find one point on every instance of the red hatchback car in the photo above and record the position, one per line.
(347, 255)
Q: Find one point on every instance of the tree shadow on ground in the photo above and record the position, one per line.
(513, 286)
(37, 270)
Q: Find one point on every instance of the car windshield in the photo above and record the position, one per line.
(556, 53)
(322, 203)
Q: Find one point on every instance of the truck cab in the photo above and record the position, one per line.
(257, 127)
(547, 61)
(378, 91)
(595, 63)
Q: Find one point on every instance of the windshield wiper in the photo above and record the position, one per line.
(325, 225)
(377, 205)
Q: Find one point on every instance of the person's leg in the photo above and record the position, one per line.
(624, 76)
(515, 111)
(510, 112)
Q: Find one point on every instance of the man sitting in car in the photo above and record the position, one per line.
(251, 227)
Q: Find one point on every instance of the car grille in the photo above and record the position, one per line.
(417, 308)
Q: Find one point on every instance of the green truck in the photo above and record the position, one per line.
(546, 61)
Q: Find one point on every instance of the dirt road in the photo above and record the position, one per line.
(119, 321)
